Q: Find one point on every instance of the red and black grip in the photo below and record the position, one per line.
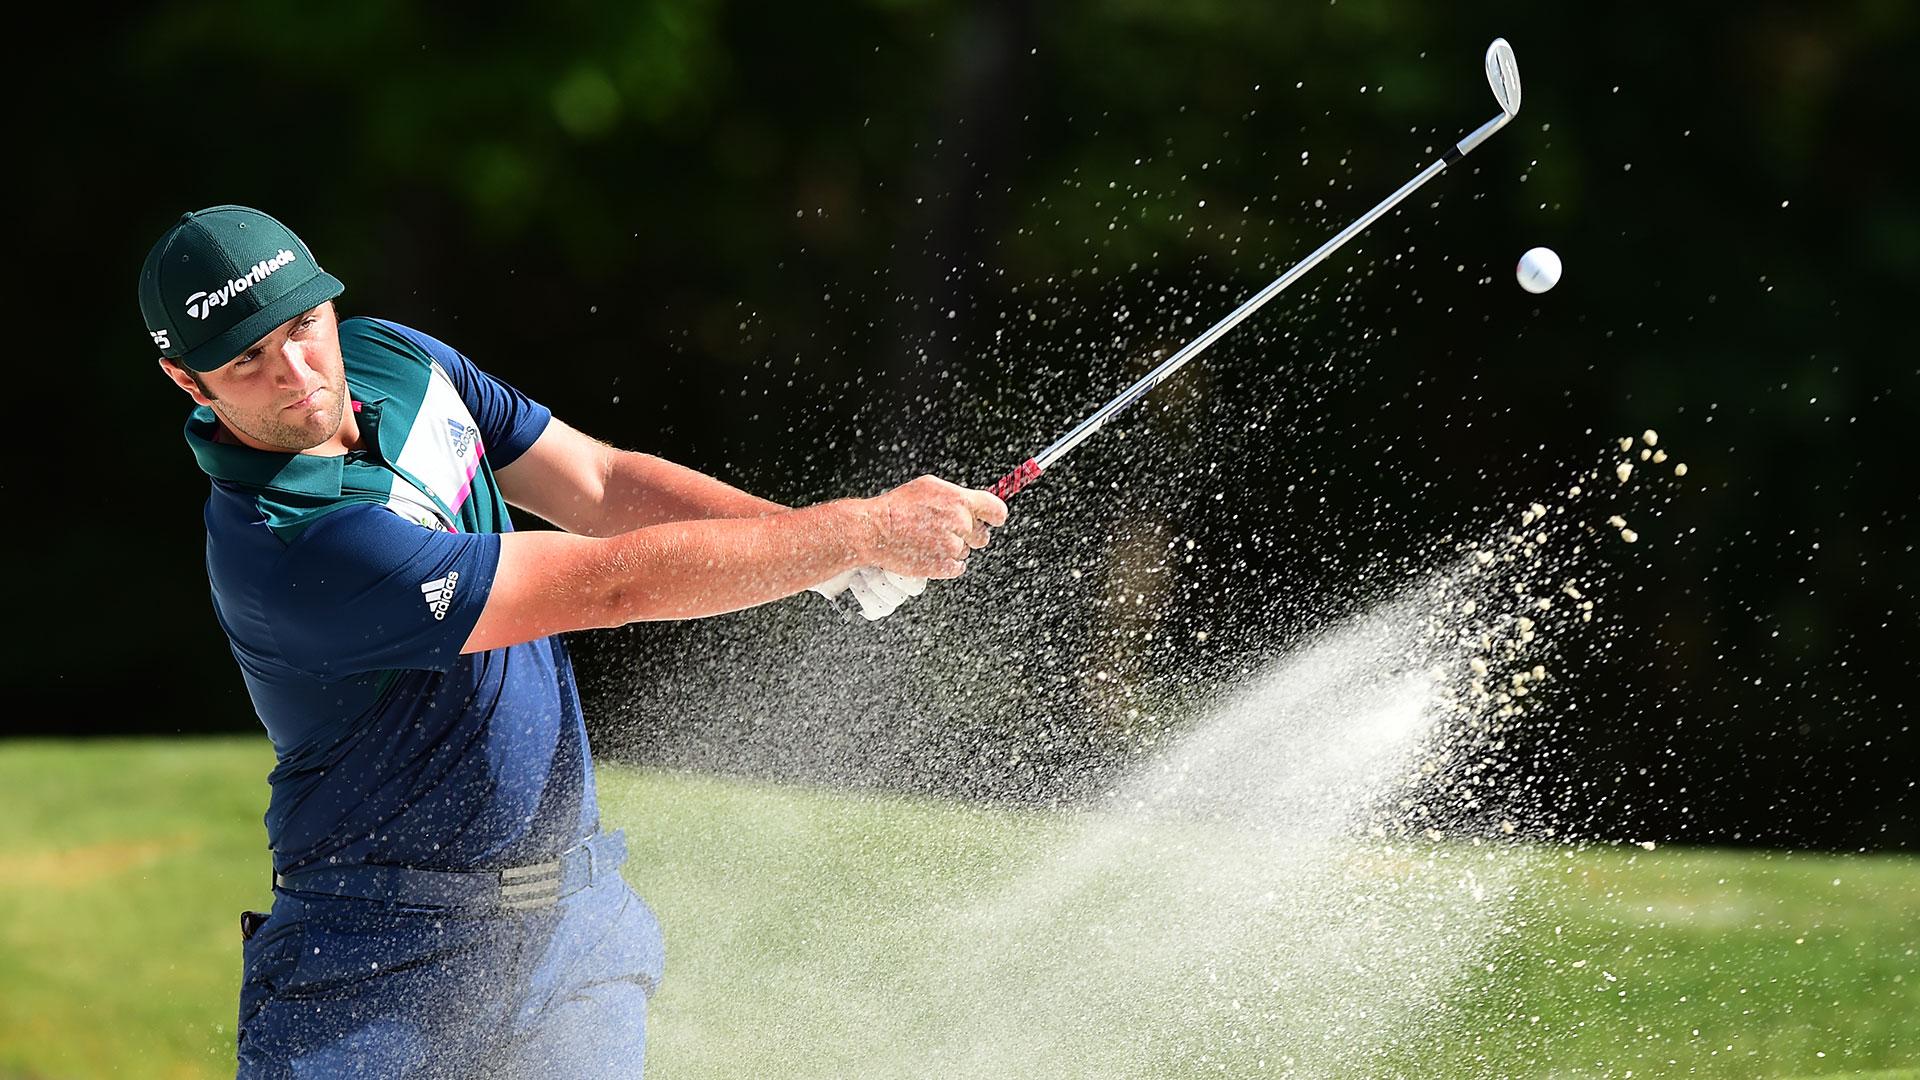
(1009, 485)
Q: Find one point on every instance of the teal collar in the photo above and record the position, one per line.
(297, 474)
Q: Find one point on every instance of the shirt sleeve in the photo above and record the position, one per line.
(509, 420)
(364, 589)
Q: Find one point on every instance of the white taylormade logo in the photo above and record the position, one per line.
(201, 304)
(439, 593)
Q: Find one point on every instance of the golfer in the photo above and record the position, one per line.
(446, 901)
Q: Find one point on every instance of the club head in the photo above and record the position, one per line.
(1503, 74)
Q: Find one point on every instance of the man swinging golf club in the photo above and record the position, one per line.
(446, 902)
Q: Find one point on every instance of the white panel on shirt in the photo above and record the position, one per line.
(443, 451)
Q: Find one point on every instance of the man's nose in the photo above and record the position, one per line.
(293, 369)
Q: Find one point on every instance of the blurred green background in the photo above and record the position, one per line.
(818, 249)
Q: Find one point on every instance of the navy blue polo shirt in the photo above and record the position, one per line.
(347, 587)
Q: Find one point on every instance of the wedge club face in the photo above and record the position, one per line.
(1503, 74)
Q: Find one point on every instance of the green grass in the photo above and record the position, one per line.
(815, 932)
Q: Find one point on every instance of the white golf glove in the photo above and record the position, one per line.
(878, 591)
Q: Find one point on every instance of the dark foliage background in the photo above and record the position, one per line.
(817, 249)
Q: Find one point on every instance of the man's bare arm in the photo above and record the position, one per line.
(589, 488)
(549, 583)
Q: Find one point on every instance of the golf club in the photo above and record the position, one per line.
(1502, 74)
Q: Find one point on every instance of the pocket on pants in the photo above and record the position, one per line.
(268, 957)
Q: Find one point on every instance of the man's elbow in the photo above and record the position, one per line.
(613, 606)
(633, 583)
(636, 602)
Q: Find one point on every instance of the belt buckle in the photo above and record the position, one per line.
(542, 885)
(530, 887)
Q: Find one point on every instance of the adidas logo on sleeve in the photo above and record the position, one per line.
(439, 594)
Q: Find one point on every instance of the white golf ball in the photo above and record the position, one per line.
(1539, 270)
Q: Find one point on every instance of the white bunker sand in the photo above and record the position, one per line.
(1226, 906)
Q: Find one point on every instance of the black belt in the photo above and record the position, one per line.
(513, 888)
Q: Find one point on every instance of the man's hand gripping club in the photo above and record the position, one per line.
(922, 529)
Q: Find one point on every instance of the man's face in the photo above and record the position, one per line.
(287, 392)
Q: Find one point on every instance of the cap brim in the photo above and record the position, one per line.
(217, 351)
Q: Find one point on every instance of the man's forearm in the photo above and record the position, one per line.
(553, 582)
(643, 490)
(693, 568)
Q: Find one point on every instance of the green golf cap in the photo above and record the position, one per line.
(221, 279)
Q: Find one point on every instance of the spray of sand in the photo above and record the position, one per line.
(1292, 886)
(1225, 908)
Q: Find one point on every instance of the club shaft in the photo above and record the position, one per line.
(1031, 469)
(1158, 375)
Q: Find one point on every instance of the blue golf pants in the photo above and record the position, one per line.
(337, 987)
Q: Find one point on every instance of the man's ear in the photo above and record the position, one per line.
(184, 379)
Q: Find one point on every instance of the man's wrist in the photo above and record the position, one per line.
(859, 530)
